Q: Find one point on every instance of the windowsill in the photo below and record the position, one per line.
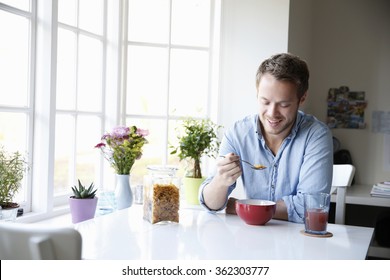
(61, 220)
(60, 217)
(61, 214)
(36, 217)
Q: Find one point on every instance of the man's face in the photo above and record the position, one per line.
(278, 106)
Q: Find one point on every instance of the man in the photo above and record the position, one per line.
(296, 148)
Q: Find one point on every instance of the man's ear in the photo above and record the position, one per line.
(303, 99)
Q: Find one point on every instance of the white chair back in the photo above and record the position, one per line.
(342, 178)
(39, 242)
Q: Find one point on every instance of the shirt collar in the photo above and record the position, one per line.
(297, 124)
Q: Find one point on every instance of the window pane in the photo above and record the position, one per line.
(13, 130)
(14, 48)
(91, 16)
(147, 80)
(191, 22)
(89, 92)
(188, 83)
(13, 138)
(66, 69)
(149, 21)
(67, 11)
(173, 125)
(87, 158)
(64, 150)
(20, 4)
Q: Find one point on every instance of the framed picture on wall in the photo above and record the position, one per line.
(346, 108)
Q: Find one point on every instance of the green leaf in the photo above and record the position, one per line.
(81, 192)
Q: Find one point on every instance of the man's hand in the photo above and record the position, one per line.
(228, 170)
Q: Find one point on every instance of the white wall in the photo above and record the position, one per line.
(252, 30)
(348, 43)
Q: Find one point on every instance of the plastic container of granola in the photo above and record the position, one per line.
(161, 194)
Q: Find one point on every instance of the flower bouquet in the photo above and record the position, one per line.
(123, 146)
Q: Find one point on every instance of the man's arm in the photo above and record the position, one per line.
(315, 172)
(227, 172)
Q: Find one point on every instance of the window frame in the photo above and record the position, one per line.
(29, 109)
(42, 109)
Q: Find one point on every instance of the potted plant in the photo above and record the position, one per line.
(12, 168)
(83, 202)
(198, 139)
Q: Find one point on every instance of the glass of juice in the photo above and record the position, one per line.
(316, 207)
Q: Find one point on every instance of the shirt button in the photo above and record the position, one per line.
(273, 186)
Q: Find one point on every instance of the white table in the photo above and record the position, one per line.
(201, 235)
(360, 195)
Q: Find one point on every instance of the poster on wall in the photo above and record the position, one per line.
(346, 108)
(381, 124)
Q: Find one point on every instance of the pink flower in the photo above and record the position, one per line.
(120, 132)
(142, 132)
(105, 136)
(100, 145)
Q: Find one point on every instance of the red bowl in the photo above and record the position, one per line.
(255, 211)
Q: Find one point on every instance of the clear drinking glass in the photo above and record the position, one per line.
(316, 207)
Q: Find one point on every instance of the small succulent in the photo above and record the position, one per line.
(82, 192)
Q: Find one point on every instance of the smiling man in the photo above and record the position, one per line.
(296, 147)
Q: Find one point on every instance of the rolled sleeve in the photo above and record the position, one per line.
(201, 197)
(295, 207)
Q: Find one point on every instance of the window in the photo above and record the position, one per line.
(79, 91)
(16, 80)
(169, 71)
(73, 69)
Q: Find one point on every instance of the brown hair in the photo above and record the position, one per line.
(286, 67)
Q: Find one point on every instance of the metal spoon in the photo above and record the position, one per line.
(253, 166)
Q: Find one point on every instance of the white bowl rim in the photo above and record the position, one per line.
(259, 202)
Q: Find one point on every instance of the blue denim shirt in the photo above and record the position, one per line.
(304, 162)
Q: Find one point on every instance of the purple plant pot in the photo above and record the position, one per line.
(82, 209)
